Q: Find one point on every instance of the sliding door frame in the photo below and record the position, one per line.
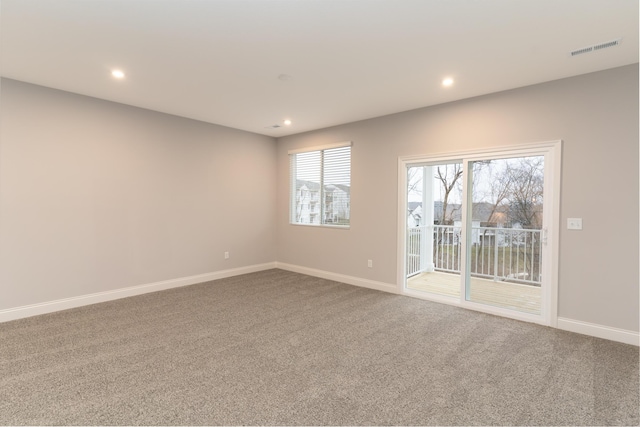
(552, 150)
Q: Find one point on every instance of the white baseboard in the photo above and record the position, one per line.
(73, 302)
(585, 328)
(599, 331)
(591, 329)
(350, 280)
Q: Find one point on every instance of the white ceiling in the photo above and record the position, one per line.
(219, 60)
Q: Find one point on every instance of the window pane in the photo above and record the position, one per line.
(307, 187)
(337, 185)
(321, 186)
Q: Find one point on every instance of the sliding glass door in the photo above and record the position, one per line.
(476, 230)
(505, 233)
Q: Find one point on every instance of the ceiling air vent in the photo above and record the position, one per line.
(276, 126)
(595, 47)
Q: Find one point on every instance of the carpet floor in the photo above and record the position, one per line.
(281, 348)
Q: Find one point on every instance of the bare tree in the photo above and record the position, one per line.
(493, 194)
(525, 206)
(525, 196)
(448, 175)
(498, 190)
(414, 180)
(515, 189)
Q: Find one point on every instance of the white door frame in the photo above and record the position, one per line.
(552, 150)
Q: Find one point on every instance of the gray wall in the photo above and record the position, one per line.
(98, 196)
(596, 115)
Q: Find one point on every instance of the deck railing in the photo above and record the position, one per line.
(504, 254)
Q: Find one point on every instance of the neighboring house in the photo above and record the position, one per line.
(336, 203)
(308, 203)
(415, 214)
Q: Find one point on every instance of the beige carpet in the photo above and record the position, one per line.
(277, 347)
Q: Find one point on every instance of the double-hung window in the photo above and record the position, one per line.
(321, 185)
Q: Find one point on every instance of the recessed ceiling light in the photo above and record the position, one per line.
(287, 122)
(118, 74)
(447, 82)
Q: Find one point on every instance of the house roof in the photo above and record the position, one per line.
(413, 205)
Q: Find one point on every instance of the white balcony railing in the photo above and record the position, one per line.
(501, 254)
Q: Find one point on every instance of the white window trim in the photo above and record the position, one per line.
(292, 182)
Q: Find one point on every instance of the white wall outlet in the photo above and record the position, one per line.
(370, 263)
(226, 255)
(574, 223)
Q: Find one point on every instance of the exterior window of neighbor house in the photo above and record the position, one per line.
(320, 191)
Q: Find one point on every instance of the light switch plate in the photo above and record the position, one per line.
(574, 223)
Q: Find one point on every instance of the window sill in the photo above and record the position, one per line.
(338, 227)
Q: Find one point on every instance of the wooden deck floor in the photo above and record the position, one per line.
(501, 294)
